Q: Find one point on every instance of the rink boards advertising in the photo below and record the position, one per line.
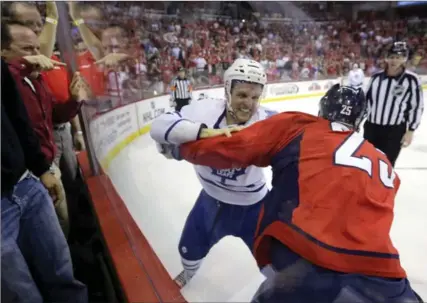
(113, 131)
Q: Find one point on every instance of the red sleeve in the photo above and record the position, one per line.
(58, 81)
(255, 145)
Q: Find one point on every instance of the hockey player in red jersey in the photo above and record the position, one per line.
(324, 227)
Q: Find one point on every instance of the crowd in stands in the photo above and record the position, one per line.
(205, 44)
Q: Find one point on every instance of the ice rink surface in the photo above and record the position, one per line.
(159, 194)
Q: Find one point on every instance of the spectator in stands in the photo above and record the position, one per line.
(154, 73)
(88, 69)
(27, 14)
(116, 55)
(201, 69)
(328, 45)
(58, 82)
(86, 18)
(93, 17)
(20, 47)
(36, 262)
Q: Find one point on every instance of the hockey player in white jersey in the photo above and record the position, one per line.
(356, 77)
(230, 200)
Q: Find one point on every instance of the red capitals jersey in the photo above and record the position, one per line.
(58, 81)
(333, 193)
(92, 73)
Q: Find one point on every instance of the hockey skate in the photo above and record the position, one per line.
(183, 278)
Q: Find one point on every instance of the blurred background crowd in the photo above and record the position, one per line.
(293, 41)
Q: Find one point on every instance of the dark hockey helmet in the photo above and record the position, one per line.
(344, 104)
(398, 48)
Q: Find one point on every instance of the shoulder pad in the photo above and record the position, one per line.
(201, 110)
(266, 112)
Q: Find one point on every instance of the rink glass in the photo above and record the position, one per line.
(293, 41)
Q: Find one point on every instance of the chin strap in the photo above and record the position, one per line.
(229, 108)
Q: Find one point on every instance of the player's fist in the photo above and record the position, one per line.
(211, 132)
(168, 151)
(41, 62)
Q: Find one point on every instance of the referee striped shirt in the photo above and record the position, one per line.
(395, 100)
(181, 88)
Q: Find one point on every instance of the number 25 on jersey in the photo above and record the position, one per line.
(345, 156)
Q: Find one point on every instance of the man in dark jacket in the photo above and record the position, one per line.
(36, 261)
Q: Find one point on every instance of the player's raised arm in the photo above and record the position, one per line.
(255, 145)
(176, 128)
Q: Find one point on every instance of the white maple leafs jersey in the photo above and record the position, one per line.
(356, 77)
(239, 186)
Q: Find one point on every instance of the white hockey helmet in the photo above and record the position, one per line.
(246, 70)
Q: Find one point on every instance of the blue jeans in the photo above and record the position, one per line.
(36, 261)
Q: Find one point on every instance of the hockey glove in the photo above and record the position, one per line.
(169, 151)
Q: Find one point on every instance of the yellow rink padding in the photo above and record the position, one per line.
(292, 97)
(106, 161)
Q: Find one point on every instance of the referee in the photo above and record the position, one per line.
(395, 104)
(181, 90)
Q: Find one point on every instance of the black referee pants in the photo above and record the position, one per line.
(180, 103)
(386, 138)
